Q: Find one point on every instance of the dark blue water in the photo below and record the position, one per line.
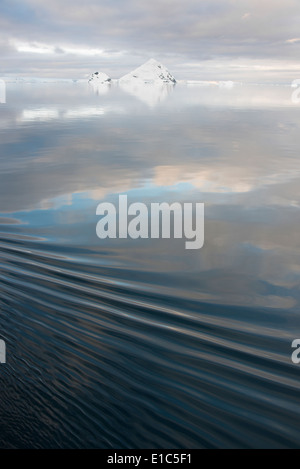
(123, 343)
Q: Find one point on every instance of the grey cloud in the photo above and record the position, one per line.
(173, 31)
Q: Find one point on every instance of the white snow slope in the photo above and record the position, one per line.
(150, 72)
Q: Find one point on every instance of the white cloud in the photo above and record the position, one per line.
(292, 41)
(40, 48)
(34, 47)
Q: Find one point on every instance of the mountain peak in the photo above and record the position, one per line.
(153, 61)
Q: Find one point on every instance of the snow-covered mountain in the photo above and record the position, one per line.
(99, 78)
(150, 72)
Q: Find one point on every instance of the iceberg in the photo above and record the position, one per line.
(99, 78)
(150, 72)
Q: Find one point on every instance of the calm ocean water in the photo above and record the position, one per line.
(142, 343)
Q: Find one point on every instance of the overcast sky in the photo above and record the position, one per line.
(200, 39)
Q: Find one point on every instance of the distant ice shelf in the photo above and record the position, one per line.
(29, 80)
